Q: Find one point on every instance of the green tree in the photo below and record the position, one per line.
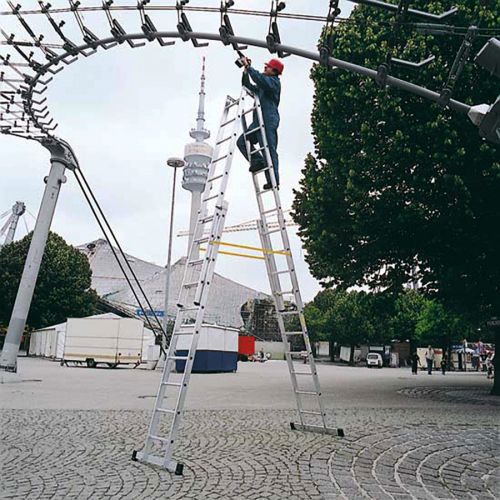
(441, 327)
(408, 308)
(398, 183)
(347, 317)
(63, 286)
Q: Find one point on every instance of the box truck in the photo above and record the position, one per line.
(113, 341)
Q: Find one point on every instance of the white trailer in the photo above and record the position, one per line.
(114, 341)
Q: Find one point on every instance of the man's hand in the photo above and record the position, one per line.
(246, 62)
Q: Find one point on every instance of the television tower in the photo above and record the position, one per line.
(197, 155)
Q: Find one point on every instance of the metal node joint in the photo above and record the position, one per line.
(60, 151)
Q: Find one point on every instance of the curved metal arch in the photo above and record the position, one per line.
(332, 62)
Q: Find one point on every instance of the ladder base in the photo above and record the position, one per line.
(317, 428)
(173, 466)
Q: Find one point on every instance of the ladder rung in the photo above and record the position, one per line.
(281, 272)
(232, 103)
(222, 141)
(159, 438)
(270, 211)
(166, 410)
(258, 150)
(302, 373)
(195, 262)
(295, 311)
(206, 219)
(211, 197)
(307, 393)
(294, 333)
(249, 111)
(178, 358)
(219, 159)
(311, 412)
(271, 231)
(227, 122)
(288, 292)
(202, 240)
(264, 191)
(190, 332)
(191, 285)
(172, 384)
(187, 309)
(251, 131)
(212, 179)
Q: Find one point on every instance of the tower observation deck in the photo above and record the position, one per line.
(197, 156)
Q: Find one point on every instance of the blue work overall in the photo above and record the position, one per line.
(268, 89)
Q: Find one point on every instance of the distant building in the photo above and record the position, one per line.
(224, 304)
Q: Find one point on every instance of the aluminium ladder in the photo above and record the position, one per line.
(194, 293)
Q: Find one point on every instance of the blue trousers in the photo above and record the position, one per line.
(256, 138)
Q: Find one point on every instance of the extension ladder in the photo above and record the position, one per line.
(169, 404)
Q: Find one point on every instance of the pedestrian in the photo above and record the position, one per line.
(267, 87)
(475, 360)
(415, 363)
(443, 365)
(429, 357)
(489, 365)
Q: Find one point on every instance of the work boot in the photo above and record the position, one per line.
(257, 166)
(267, 186)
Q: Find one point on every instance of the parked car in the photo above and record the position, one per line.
(374, 359)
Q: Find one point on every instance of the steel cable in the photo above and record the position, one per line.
(82, 182)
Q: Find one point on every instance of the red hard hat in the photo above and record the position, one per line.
(277, 65)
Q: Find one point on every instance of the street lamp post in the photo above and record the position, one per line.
(175, 163)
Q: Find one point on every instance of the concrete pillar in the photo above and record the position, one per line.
(62, 157)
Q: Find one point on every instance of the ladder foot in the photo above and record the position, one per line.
(134, 456)
(179, 469)
(317, 428)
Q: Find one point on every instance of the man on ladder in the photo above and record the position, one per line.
(267, 86)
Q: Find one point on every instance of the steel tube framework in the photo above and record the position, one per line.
(306, 54)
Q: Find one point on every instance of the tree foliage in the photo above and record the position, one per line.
(398, 183)
(63, 286)
(355, 318)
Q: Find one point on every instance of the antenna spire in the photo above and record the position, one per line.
(200, 133)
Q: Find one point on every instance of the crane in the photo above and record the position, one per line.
(13, 215)
(250, 225)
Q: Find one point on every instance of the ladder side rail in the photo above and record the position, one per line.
(182, 298)
(231, 149)
(271, 268)
(222, 186)
(220, 134)
(291, 266)
(300, 308)
(190, 271)
(194, 344)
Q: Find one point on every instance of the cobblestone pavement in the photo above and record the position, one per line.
(393, 454)
(476, 395)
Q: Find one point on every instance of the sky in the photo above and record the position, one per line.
(125, 111)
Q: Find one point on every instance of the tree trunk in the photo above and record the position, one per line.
(351, 356)
(495, 390)
(332, 349)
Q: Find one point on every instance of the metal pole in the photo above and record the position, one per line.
(62, 157)
(175, 163)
